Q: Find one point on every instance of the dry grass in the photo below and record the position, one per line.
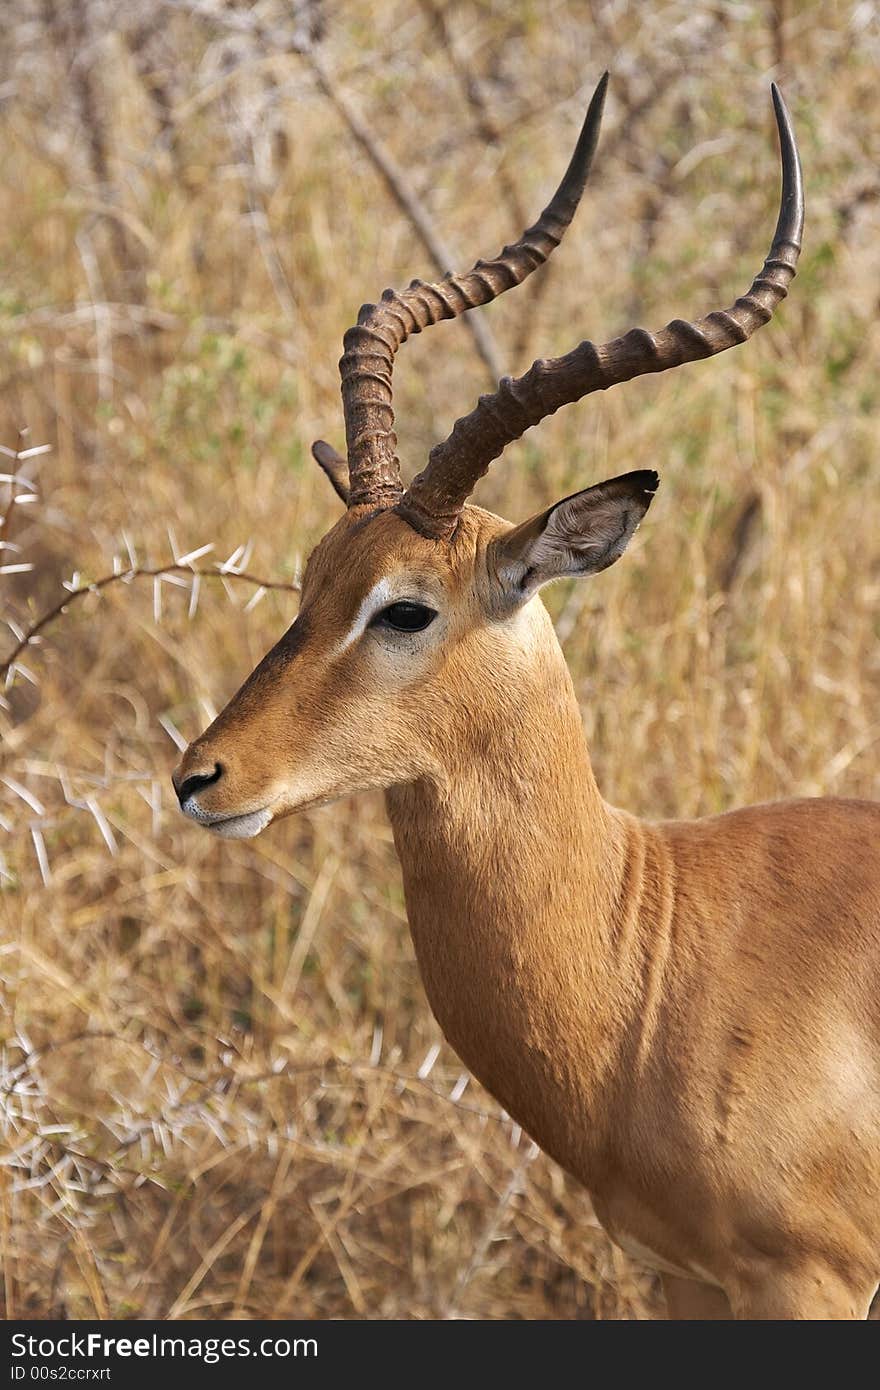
(221, 1091)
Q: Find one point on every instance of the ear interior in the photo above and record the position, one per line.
(582, 534)
(334, 465)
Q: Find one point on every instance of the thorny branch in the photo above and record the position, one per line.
(219, 1085)
(126, 577)
(190, 1106)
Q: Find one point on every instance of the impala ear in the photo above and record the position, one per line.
(582, 534)
(334, 465)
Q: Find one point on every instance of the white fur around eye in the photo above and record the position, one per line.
(386, 592)
(378, 598)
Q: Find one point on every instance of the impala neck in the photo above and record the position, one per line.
(514, 872)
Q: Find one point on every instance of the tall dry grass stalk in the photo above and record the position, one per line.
(221, 1091)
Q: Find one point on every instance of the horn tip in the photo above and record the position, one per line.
(781, 112)
(597, 100)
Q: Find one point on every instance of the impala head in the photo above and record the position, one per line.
(416, 618)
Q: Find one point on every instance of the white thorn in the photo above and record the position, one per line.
(103, 824)
(132, 553)
(173, 733)
(430, 1058)
(193, 555)
(36, 806)
(231, 563)
(194, 596)
(42, 856)
(255, 598)
(460, 1086)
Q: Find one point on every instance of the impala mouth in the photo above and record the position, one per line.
(247, 824)
(241, 827)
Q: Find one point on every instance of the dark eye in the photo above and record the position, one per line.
(405, 616)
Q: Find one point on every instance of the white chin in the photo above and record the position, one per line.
(242, 827)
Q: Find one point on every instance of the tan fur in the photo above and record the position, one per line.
(684, 1014)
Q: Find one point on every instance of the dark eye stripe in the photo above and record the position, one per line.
(405, 616)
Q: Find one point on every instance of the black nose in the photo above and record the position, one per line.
(197, 781)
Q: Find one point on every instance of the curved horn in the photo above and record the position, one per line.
(370, 346)
(436, 497)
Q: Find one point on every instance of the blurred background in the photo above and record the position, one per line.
(221, 1090)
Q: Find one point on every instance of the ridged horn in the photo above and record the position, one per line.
(381, 329)
(435, 498)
